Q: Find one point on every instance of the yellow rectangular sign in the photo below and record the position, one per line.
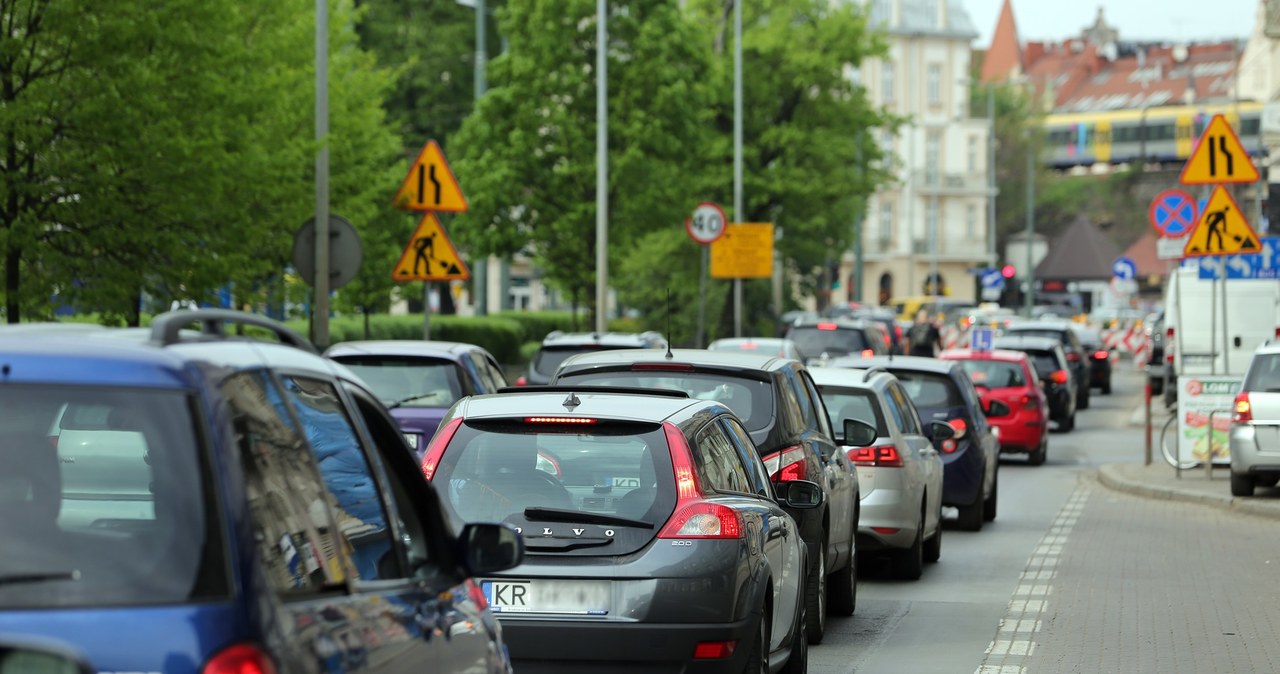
(745, 251)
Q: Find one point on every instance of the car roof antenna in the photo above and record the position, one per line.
(669, 355)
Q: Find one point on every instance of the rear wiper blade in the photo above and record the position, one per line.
(559, 515)
(24, 578)
(416, 396)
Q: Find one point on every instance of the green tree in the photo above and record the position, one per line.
(1019, 132)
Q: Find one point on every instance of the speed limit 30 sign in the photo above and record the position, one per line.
(707, 223)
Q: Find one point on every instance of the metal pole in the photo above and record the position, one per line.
(320, 308)
(1029, 299)
(857, 225)
(699, 342)
(738, 215)
(426, 310)
(482, 56)
(932, 229)
(991, 175)
(602, 167)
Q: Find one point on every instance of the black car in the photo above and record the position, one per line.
(557, 346)
(1098, 356)
(781, 409)
(648, 518)
(1063, 332)
(821, 339)
(942, 391)
(1050, 363)
(885, 317)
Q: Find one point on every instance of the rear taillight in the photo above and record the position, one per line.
(1242, 409)
(687, 486)
(886, 456)
(431, 457)
(1059, 377)
(826, 326)
(522, 381)
(700, 519)
(1168, 346)
(1029, 402)
(239, 659)
(867, 353)
(1101, 355)
(949, 445)
(714, 650)
(789, 464)
(960, 427)
(1073, 357)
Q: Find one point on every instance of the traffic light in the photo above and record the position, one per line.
(1009, 271)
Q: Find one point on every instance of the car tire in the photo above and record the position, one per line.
(758, 656)
(933, 544)
(1082, 400)
(910, 562)
(989, 505)
(798, 661)
(815, 598)
(1068, 424)
(970, 516)
(842, 593)
(1038, 456)
(1242, 485)
(1106, 387)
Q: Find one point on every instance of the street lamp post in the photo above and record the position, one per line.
(602, 166)
(738, 215)
(320, 307)
(481, 86)
(1029, 298)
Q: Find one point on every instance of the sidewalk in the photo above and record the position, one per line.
(1161, 481)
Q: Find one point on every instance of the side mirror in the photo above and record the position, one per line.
(26, 657)
(858, 433)
(939, 430)
(488, 548)
(997, 408)
(799, 494)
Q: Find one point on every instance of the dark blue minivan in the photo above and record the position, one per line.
(191, 501)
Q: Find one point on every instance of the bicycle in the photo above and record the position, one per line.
(1169, 445)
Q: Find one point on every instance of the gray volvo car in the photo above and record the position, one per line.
(654, 536)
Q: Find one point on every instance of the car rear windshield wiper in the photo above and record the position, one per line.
(559, 515)
(24, 578)
(416, 396)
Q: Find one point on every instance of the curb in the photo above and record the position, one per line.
(1110, 476)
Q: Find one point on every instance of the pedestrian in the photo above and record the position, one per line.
(925, 338)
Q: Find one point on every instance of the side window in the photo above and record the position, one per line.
(361, 520)
(901, 406)
(287, 499)
(499, 378)
(741, 440)
(809, 418)
(718, 463)
(819, 408)
(791, 410)
(895, 408)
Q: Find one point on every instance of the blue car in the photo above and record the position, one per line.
(187, 501)
(942, 391)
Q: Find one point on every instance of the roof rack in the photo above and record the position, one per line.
(167, 327)
(866, 374)
(562, 388)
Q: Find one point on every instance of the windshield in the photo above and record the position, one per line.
(412, 382)
(549, 358)
(994, 373)
(812, 341)
(750, 399)
(930, 391)
(860, 404)
(103, 489)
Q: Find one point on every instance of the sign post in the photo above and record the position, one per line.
(705, 227)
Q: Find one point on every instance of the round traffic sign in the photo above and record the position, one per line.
(1173, 213)
(707, 224)
(1124, 269)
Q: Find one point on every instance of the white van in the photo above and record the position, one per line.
(1213, 327)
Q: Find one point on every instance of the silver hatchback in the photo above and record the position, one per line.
(1255, 424)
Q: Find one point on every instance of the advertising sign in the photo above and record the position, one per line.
(1204, 417)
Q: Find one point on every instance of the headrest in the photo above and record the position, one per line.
(31, 478)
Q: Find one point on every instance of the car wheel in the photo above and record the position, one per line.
(842, 594)
(815, 594)
(1069, 423)
(758, 656)
(933, 544)
(1082, 400)
(798, 661)
(1242, 485)
(910, 562)
(1037, 457)
(989, 505)
(970, 517)
(1106, 387)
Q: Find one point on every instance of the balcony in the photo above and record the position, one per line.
(929, 182)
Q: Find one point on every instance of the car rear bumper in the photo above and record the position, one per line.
(1023, 434)
(540, 645)
(1255, 448)
(887, 509)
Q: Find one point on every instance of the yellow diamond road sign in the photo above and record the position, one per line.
(1219, 157)
(430, 255)
(430, 185)
(744, 251)
(1221, 229)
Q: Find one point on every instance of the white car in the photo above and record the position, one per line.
(899, 473)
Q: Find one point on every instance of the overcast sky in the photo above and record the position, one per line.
(1135, 19)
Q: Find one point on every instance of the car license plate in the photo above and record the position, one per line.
(577, 597)
(412, 439)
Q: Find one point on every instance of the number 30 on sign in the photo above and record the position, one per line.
(706, 225)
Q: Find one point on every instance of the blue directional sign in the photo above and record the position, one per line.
(1264, 265)
(981, 339)
(1124, 269)
(992, 278)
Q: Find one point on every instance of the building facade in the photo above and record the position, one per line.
(932, 220)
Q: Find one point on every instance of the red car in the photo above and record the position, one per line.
(1008, 376)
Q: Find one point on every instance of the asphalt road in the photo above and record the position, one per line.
(1075, 577)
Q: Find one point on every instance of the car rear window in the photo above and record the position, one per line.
(750, 399)
(1055, 335)
(930, 390)
(495, 472)
(107, 493)
(813, 341)
(1044, 362)
(549, 358)
(408, 382)
(846, 403)
(1264, 373)
(994, 373)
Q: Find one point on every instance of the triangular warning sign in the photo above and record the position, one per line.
(1219, 157)
(430, 255)
(1221, 229)
(430, 185)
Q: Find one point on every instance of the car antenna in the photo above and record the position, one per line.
(668, 339)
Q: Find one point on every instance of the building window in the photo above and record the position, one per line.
(887, 151)
(886, 81)
(973, 154)
(934, 84)
(931, 224)
(931, 149)
(885, 235)
(971, 223)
